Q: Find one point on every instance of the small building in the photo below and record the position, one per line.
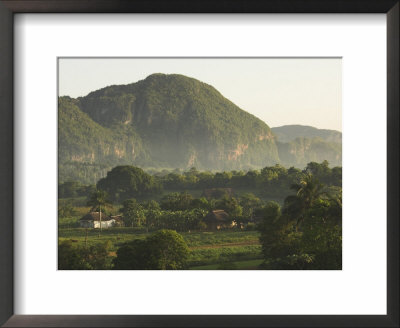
(218, 219)
(92, 220)
(118, 221)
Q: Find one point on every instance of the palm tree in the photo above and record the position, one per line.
(335, 210)
(308, 190)
(99, 199)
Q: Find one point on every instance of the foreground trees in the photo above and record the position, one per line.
(308, 191)
(72, 257)
(307, 232)
(164, 250)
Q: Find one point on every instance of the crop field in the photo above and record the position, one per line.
(232, 249)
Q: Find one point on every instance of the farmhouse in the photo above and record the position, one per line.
(218, 219)
(118, 221)
(92, 220)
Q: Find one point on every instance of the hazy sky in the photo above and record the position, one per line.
(278, 91)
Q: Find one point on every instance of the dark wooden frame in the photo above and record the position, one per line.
(7, 10)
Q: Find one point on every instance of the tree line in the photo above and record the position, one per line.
(126, 182)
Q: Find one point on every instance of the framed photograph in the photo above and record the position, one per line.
(202, 164)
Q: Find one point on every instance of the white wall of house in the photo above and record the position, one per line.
(104, 224)
(96, 224)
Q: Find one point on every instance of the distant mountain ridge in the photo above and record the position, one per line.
(288, 133)
(164, 121)
(300, 144)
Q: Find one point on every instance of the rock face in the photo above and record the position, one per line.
(164, 121)
(288, 133)
(299, 145)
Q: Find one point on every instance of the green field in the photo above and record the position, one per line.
(236, 265)
(232, 249)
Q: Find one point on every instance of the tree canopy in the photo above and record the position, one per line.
(124, 182)
(307, 233)
(164, 250)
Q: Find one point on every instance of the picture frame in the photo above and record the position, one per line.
(7, 10)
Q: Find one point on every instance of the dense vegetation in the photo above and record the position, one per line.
(273, 182)
(226, 249)
(94, 257)
(171, 121)
(306, 233)
(124, 182)
(164, 250)
(302, 231)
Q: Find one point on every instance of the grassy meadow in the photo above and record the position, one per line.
(230, 249)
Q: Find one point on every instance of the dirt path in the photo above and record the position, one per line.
(244, 243)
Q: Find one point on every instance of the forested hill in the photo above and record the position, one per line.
(173, 121)
(163, 121)
(300, 144)
(288, 133)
